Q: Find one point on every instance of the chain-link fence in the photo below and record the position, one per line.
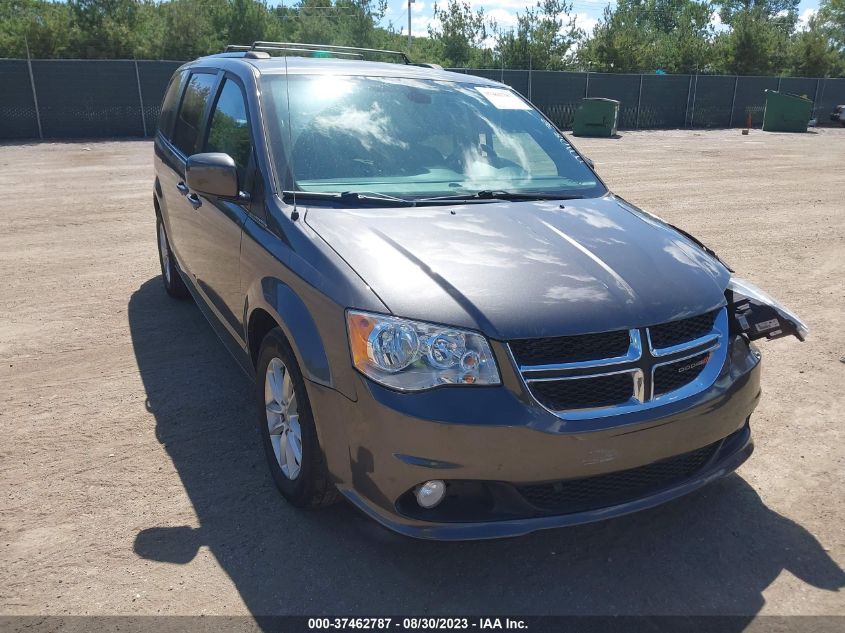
(667, 101)
(59, 98)
(113, 98)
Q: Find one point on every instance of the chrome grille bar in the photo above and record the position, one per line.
(635, 350)
(641, 364)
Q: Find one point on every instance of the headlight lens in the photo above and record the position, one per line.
(412, 355)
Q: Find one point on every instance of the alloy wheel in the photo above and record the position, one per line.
(283, 418)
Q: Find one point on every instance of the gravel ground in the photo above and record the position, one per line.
(133, 482)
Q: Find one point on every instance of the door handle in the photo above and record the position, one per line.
(183, 188)
(193, 198)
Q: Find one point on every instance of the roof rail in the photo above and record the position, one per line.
(340, 51)
(259, 52)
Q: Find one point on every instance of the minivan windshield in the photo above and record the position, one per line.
(416, 138)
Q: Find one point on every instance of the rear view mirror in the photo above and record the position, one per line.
(212, 174)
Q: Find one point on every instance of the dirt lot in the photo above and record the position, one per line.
(133, 483)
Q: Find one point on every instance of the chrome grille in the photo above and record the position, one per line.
(595, 375)
(677, 332)
(671, 376)
(591, 391)
(570, 349)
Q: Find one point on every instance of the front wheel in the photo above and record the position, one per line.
(287, 427)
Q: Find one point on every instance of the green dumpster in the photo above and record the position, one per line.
(786, 113)
(596, 117)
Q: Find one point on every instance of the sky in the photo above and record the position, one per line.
(504, 12)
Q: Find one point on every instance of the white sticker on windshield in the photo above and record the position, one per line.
(503, 99)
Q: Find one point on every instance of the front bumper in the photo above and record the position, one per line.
(384, 444)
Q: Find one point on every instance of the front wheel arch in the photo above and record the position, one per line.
(261, 323)
(277, 305)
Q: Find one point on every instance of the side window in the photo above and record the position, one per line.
(171, 101)
(228, 131)
(188, 122)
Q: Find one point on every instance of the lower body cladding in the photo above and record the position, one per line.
(511, 467)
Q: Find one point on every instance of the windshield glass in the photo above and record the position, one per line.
(416, 138)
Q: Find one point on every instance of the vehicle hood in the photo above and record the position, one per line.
(526, 269)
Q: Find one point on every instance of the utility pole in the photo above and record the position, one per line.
(410, 2)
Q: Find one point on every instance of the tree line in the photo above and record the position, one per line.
(750, 37)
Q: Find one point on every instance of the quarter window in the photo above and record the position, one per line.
(228, 131)
(188, 122)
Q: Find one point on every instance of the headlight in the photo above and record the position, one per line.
(411, 355)
(784, 318)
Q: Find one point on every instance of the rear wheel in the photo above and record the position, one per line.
(287, 427)
(173, 283)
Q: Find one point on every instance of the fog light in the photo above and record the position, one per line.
(431, 493)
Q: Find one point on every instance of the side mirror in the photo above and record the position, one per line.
(212, 174)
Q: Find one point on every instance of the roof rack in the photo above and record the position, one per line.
(340, 51)
(261, 52)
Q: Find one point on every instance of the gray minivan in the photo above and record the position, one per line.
(451, 322)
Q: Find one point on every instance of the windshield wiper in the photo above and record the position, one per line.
(348, 197)
(492, 194)
(351, 197)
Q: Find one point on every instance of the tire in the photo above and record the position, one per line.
(309, 485)
(173, 282)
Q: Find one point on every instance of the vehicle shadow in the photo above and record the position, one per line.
(713, 552)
